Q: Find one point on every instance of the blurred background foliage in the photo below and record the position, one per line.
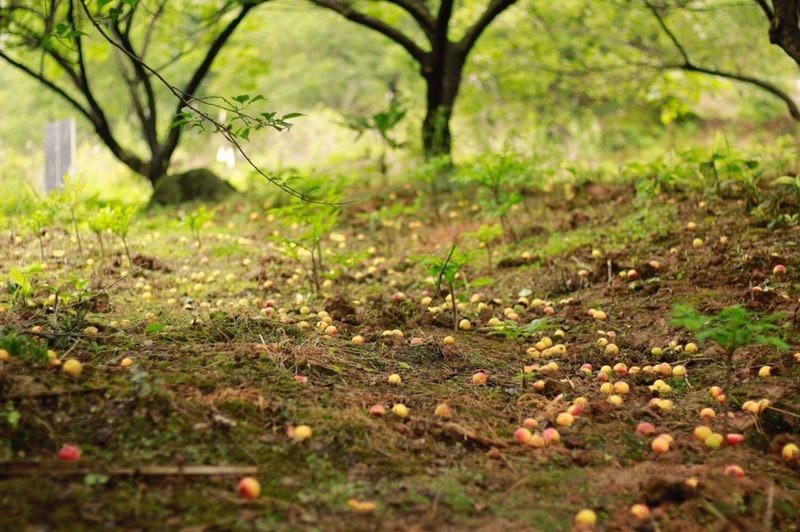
(593, 82)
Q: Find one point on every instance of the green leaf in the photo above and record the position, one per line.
(155, 328)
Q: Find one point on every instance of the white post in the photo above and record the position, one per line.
(59, 153)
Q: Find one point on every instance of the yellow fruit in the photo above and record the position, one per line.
(394, 378)
(702, 432)
(565, 419)
(301, 433)
(765, 371)
(615, 400)
(640, 511)
(126, 362)
(690, 348)
(697, 243)
(707, 413)
(464, 325)
(585, 517)
(400, 410)
(621, 388)
(358, 340)
(449, 340)
(3, 355)
(72, 368)
(790, 451)
(443, 411)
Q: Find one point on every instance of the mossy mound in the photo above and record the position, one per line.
(199, 184)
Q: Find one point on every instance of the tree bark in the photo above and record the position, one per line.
(443, 81)
(784, 30)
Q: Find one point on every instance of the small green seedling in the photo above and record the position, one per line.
(519, 333)
(447, 270)
(38, 221)
(732, 328)
(196, 219)
(487, 235)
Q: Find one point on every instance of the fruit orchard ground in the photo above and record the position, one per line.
(219, 388)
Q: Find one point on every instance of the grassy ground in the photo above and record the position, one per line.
(215, 381)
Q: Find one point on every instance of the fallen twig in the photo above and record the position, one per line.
(26, 469)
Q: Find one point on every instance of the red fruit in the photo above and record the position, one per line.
(780, 268)
(721, 398)
(249, 488)
(734, 439)
(602, 377)
(734, 470)
(69, 453)
(645, 428)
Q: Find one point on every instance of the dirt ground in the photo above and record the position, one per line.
(216, 382)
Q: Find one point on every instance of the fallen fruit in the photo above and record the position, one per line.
(449, 340)
(645, 428)
(530, 423)
(301, 433)
(69, 453)
(479, 378)
(537, 441)
(779, 269)
(249, 488)
(734, 470)
(765, 371)
(3, 355)
(702, 432)
(640, 511)
(714, 440)
(126, 362)
(443, 410)
(707, 413)
(551, 436)
(585, 517)
(377, 410)
(734, 439)
(464, 325)
(660, 445)
(394, 378)
(565, 419)
(790, 451)
(615, 400)
(621, 388)
(400, 410)
(72, 368)
(358, 340)
(361, 506)
(690, 348)
(522, 435)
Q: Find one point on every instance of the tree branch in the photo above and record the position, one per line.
(494, 9)
(47, 83)
(199, 74)
(689, 66)
(776, 91)
(189, 102)
(420, 12)
(668, 32)
(376, 24)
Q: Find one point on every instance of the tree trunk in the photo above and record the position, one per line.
(443, 82)
(784, 30)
